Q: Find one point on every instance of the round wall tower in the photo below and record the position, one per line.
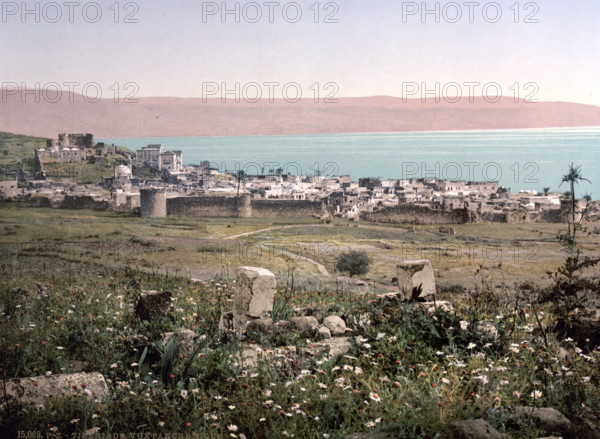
(244, 206)
(153, 202)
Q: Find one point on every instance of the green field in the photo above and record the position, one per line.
(69, 281)
(211, 248)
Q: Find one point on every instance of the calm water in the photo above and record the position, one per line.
(519, 159)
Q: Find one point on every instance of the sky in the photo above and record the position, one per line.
(546, 50)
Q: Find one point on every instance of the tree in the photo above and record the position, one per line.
(240, 175)
(354, 262)
(573, 177)
(546, 190)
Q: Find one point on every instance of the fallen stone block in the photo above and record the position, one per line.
(254, 295)
(154, 304)
(411, 274)
(38, 389)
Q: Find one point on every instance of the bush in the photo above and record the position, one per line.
(353, 262)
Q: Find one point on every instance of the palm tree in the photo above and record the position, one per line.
(546, 190)
(240, 175)
(572, 177)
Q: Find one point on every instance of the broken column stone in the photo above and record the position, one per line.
(37, 389)
(411, 274)
(153, 304)
(254, 295)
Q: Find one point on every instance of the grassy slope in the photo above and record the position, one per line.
(195, 246)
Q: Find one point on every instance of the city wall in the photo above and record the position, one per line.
(412, 214)
(245, 206)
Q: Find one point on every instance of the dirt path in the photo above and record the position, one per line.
(381, 228)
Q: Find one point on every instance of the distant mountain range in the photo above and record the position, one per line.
(171, 117)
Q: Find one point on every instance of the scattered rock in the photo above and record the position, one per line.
(184, 340)
(324, 332)
(337, 346)
(76, 366)
(42, 288)
(430, 307)
(586, 425)
(259, 326)
(487, 331)
(153, 304)
(137, 340)
(37, 389)
(254, 294)
(471, 429)
(226, 322)
(307, 324)
(546, 418)
(372, 435)
(411, 274)
(335, 324)
(358, 321)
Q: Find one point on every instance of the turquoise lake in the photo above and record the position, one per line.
(519, 159)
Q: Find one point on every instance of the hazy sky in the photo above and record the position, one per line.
(374, 48)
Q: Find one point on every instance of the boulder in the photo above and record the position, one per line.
(254, 295)
(259, 326)
(335, 324)
(184, 340)
(38, 389)
(324, 332)
(470, 429)
(545, 418)
(586, 425)
(411, 274)
(307, 324)
(337, 346)
(154, 304)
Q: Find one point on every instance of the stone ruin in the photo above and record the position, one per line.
(412, 274)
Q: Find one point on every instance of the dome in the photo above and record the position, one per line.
(122, 171)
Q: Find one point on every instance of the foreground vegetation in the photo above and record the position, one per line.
(70, 279)
(415, 368)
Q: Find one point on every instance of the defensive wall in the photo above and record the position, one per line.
(153, 200)
(414, 214)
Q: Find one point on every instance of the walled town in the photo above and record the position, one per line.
(202, 190)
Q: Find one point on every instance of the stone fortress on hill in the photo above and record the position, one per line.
(203, 191)
(72, 148)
